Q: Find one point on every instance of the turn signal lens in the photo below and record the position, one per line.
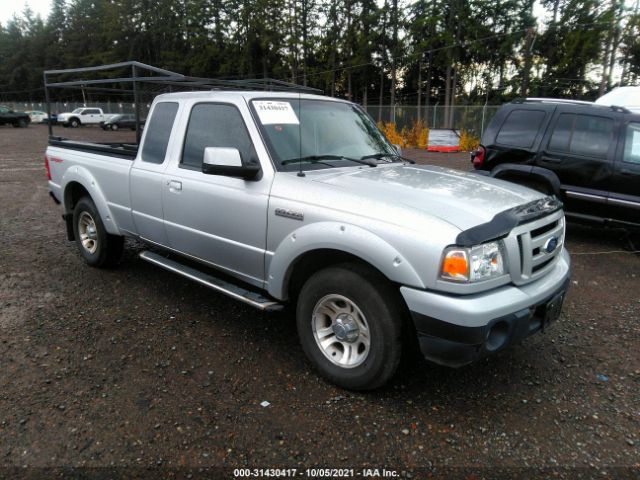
(455, 265)
(473, 264)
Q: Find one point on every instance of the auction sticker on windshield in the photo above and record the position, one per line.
(271, 112)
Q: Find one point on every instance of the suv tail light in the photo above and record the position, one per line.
(477, 157)
(46, 166)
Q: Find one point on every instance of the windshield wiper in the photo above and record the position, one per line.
(321, 158)
(381, 155)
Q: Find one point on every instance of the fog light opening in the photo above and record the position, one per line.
(497, 336)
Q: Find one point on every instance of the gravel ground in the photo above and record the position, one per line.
(136, 367)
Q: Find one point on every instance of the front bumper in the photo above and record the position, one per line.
(455, 330)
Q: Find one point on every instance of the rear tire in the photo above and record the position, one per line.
(97, 247)
(349, 320)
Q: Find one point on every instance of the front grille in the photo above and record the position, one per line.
(529, 252)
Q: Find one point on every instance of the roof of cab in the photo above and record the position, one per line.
(242, 94)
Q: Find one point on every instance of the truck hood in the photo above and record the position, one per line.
(462, 199)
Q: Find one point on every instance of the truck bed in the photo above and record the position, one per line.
(127, 151)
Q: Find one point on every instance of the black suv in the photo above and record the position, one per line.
(17, 119)
(586, 154)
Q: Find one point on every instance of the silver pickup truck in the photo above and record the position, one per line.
(282, 198)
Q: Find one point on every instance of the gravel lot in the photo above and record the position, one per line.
(136, 367)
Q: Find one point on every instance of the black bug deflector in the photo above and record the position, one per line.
(501, 224)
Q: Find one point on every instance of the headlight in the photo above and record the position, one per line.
(474, 264)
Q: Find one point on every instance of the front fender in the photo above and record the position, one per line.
(342, 237)
(84, 177)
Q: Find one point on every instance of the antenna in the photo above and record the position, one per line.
(300, 172)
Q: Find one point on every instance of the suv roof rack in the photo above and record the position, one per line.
(567, 101)
(143, 73)
(551, 100)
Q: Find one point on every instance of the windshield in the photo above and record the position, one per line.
(78, 110)
(315, 129)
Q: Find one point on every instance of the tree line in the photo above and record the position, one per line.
(389, 52)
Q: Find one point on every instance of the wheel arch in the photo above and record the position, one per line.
(527, 174)
(319, 245)
(80, 183)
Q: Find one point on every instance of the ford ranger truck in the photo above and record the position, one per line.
(281, 198)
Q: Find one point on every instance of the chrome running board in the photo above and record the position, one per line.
(254, 299)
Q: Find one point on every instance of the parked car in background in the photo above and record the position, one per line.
(53, 119)
(10, 117)
(586, 154)
(37, 116)
(83, 116)
(123, 120)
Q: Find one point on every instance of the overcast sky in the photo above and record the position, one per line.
(9, 7)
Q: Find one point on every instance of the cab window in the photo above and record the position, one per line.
(215, 125)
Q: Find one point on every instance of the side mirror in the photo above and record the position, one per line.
(398, 148)
(227, 162)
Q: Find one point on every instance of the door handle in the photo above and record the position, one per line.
(174, 185)
(544, 158)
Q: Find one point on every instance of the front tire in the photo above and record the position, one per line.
(114, 127)
(74, 123)
(349, 320)
(97, 247)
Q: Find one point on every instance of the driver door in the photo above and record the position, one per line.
(218, 219)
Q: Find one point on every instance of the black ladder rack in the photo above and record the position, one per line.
(141, 73)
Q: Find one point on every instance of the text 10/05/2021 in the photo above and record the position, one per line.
(315, 473)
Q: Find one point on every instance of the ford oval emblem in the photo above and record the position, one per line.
(551, 244)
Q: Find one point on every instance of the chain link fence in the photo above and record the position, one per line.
(472, 118)
(60, 107)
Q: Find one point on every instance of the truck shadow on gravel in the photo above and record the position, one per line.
(270, 343)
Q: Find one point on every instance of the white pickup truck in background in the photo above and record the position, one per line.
(83, 116)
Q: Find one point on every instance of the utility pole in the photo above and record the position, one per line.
(419, 88)
(530, 40)
(394, 51)
(384, 54)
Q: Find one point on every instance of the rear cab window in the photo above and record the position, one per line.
(158, 132)
(521, 128)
